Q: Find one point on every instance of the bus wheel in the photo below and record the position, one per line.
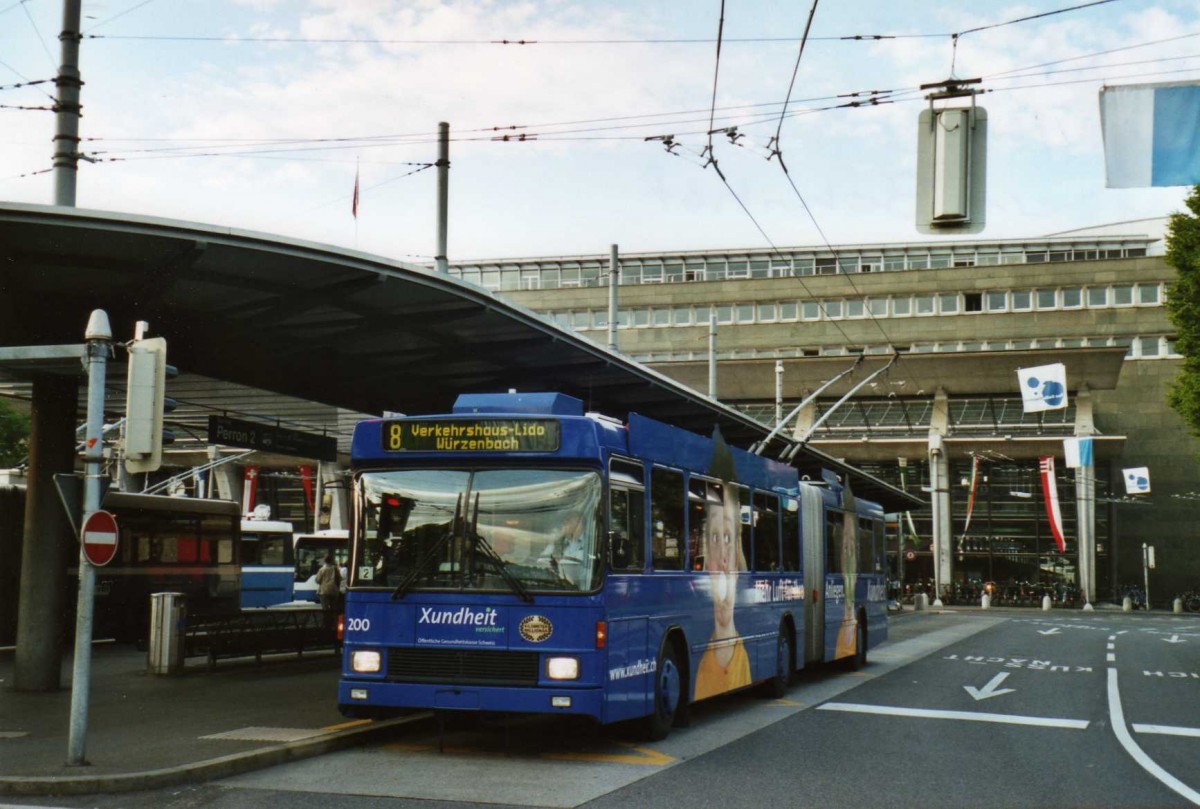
(777, 686)
(668, 693)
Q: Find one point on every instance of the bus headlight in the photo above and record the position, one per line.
(562, 668)
(366, 661)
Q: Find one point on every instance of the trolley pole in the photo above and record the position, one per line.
(99, 339)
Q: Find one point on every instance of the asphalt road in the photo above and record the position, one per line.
(999, 709)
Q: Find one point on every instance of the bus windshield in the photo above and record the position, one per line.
(520, 530)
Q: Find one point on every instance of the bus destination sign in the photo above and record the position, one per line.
(471, 435)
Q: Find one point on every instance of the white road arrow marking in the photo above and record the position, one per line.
(1174, 639)
(990, 689)
(1047, 631)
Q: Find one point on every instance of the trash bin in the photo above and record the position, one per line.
(168, 619)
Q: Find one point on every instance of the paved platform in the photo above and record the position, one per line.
(147, 731)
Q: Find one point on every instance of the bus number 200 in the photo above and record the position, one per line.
(358, 625)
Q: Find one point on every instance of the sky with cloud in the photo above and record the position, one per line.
(257, 114)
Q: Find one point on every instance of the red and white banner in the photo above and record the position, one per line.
(974, 489)
(1050, 494)
(249, 489)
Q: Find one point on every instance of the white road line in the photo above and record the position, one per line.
(1112, 646)
(1112, 658)
(1167, 730)
(1117, 719)
(966, 716)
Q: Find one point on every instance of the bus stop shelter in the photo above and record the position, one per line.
(305, 320)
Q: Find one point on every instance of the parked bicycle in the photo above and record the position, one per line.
(1191, 600)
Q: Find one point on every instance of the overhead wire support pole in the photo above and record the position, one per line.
(712, 352)
(99, 341)
(614, 279)
(800, 444)
(758, 448)
(443, 196)
(67, 108)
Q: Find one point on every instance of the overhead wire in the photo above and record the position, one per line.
(117, 16)
(712, 161)
(1032, 17)
(280, 40)
(774, 146)
(812, 11)
(38, 33)
(1097, 53)
(716, 73)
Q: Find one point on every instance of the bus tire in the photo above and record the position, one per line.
(777, 686)
(668, 694)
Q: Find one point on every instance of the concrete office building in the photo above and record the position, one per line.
(960, 318)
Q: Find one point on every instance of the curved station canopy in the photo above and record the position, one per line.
(327, 325)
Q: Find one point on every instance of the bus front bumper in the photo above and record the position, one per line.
(366, 698)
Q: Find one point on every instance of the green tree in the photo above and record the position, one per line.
(1183, 308)
(14, 436)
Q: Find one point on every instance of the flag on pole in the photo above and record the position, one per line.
(1050, 495)
(1137, 480)
(1078, 452)
(1151, 134)
(354, 201)
(1043, 387)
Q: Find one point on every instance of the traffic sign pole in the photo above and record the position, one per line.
(99, 338)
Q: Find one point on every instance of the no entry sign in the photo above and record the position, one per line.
(99, 537)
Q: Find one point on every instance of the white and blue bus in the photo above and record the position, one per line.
(521, 556)
(267, 560)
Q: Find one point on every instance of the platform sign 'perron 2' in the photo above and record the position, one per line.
(471, 435)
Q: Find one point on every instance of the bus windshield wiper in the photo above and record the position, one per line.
(430, 553)
(479, 544)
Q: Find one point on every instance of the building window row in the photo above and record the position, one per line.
(1137, 348)
(949, 303)
(557, 274)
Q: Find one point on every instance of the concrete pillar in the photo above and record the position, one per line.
(939, 481)
(805, 418)
(337, 490)
(48, 546)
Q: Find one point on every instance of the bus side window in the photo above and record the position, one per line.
(745, 518)
(791, 535)
(627, 516)
(271, 549)
(666, 519)
(766, 532)
(866, 545)
(833, 542)
(699, 491)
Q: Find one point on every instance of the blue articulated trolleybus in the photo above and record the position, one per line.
(520, 556)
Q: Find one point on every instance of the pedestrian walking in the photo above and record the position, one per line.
(329, 588)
